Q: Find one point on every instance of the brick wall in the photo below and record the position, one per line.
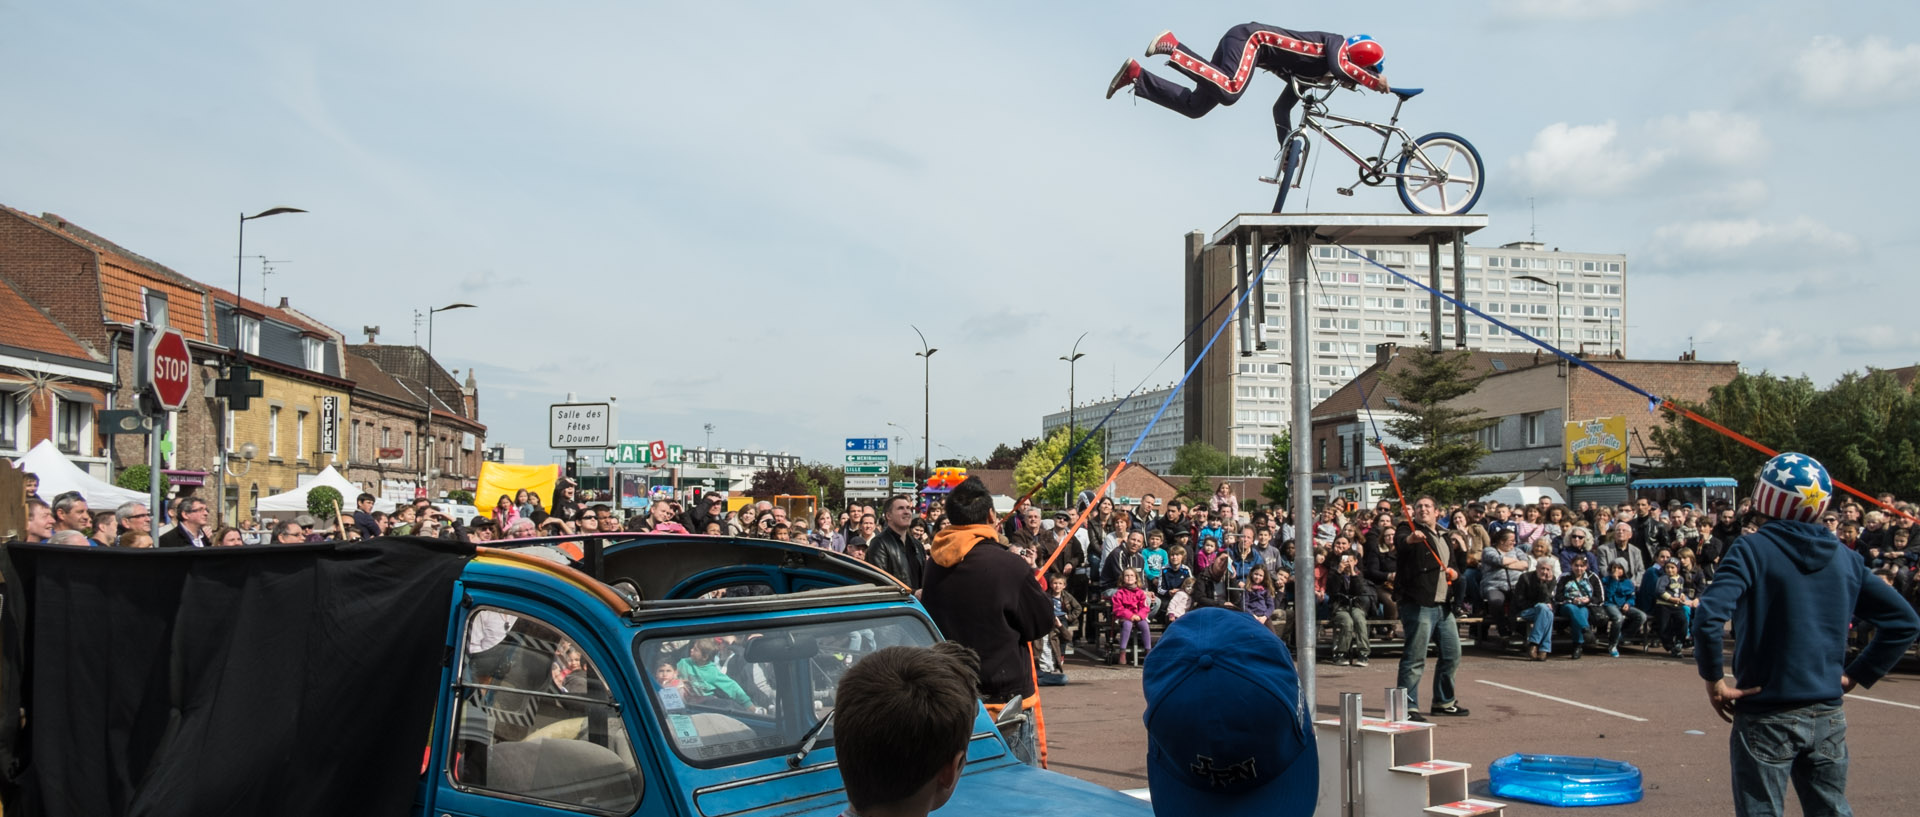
(1593, 396)
(59, 275)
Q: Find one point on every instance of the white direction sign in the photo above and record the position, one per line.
(867, 482)
(867, 493)
(856, 459)
(579, 425)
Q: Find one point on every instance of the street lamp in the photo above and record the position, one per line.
(426, 433)
(926, 406)
(1566, 401)
(1072, 358)
(239, 270)
(1556, 301)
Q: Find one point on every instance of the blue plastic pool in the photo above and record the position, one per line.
(1565, 780)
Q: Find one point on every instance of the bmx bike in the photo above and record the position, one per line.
(1436, 174)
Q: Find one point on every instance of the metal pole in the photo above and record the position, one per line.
(1306, 630)
(153, 469)
(1353, 792)
(1433, 280)
(1459, 289)
(926, 419)
(1240, 287)
(1259, 295)
(1072, 366)
(1396, 704)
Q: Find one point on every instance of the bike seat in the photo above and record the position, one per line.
(1406, 93)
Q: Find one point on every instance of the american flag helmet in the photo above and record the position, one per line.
(1793, 486)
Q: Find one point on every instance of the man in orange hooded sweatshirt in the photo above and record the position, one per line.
(985, 597)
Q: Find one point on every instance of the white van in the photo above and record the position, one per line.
(1523, 495)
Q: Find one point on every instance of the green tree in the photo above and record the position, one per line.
(136, 477)
(1277, 467)
(1006, 456)
(1198, 490)
(1440, 448)
(1087, 469)
(1863, 428)
(1200, 458)
(324, 501)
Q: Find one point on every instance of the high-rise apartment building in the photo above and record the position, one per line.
(1155, 452)
(1238, 402)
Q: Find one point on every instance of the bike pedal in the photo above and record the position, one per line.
(1269, 180)
(1344, 191)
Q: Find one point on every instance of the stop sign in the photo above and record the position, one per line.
(172, 369)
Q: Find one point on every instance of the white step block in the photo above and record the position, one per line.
(1469, 807)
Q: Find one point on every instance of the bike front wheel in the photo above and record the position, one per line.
(1440, 175)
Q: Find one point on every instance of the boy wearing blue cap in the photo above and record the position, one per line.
(1225, 737)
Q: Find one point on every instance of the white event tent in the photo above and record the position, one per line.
(295, 501)
(59, 475)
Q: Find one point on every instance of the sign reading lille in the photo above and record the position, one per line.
(172, 369)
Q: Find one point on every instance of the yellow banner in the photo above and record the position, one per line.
(1597, 452)
(499, 478)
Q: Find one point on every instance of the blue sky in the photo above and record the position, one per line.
(730, 213)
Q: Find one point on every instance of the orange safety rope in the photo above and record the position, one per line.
(1080, 520)
(1743, 440)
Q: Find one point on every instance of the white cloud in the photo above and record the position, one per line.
(1569, 9)
(1711, 137)
(1736, 234)
(1833, 72)
(1878, 339)
(1582, 159)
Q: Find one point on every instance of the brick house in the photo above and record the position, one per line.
(50, 385)
(95, 290)
(414, 426)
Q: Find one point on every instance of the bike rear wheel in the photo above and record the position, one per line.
(1441, 176)
(1290, 159)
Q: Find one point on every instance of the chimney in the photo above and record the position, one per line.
(1383, 352)
(283, 303)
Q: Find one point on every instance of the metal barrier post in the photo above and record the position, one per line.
(1352, 790)
(1396, 704)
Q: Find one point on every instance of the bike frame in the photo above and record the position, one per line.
(1373, 170)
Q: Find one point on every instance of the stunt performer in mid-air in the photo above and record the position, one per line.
(1356, 60)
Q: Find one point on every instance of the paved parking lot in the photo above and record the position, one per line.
(1649, 711)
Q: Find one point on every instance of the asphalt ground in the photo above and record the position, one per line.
(1655, 716)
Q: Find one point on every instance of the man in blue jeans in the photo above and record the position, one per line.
(1791, 590)
(1427, 572)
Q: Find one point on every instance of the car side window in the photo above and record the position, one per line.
(535, 720)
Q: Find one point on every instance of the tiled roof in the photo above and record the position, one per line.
(123, 273)
(86, 236)
(274, 312)
(29, 327)
(412, 365)
(367, 374)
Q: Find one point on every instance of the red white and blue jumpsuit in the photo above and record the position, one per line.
(1221, 81)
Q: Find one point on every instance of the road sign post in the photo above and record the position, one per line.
(165, 374)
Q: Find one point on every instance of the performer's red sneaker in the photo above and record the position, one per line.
(1129, 72)
(1163, 44)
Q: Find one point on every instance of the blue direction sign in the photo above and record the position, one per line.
(866, 443)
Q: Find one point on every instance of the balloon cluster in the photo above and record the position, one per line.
(946, 478)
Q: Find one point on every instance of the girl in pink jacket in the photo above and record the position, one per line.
(1130, 609)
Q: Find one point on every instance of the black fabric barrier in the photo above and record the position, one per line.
(259, 680)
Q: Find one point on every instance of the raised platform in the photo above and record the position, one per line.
(1348, 228)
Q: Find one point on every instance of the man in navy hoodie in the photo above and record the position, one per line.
(1790, 590)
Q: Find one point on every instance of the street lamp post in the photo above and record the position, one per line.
(1072, 358)
(1566, 390)
(239, 271)
(926, 406)
(426, 434)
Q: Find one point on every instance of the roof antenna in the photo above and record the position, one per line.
(1532, 232)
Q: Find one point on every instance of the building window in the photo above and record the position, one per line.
(1489, 437)
(353, 444)
(156, 305)
(406, 454)
(248, 330)
(300, 435)
(1323, 453)
(70, 425)
(1535, 426)
(9, 421)
(273, 431)
(313, 351)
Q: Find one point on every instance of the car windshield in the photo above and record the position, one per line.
(729, 695)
